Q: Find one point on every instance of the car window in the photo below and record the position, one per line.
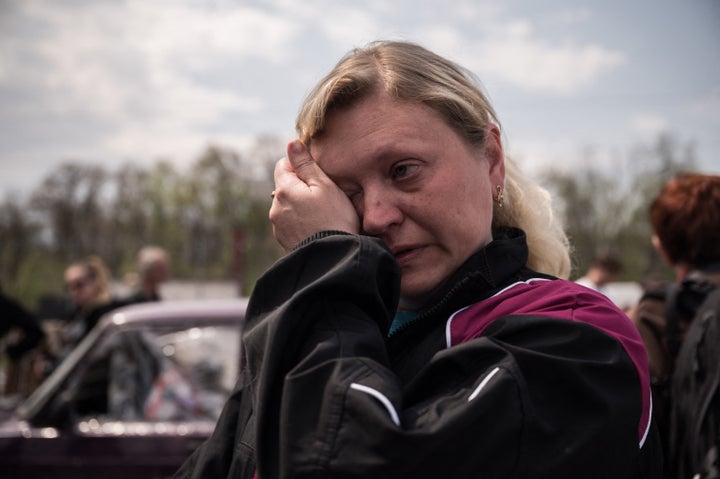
(159, 375)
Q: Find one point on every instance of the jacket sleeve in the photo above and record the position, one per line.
(315, 323)
(327, 403)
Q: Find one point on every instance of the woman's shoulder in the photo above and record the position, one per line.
(541, 297)
(558, 298)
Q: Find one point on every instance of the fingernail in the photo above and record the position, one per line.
(297, 147)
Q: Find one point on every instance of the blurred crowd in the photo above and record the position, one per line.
(33, 347)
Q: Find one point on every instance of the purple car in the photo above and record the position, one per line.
(134, 399)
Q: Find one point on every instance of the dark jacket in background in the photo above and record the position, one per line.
(650, 316)
(14, 315)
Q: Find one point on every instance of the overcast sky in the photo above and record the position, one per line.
(111, 81)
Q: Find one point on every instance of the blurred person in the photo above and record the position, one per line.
(15, 317)
(685, 218)
(153, 268)
(88, 285)
(417, 326)
(603, 270)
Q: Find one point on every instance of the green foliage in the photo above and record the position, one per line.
(40, 275)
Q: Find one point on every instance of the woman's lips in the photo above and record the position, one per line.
(406, 255)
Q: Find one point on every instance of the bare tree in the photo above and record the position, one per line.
(18, 237)
(71, 200)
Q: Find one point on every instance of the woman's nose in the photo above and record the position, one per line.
(380, 211)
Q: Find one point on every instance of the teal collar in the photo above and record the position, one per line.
(401, 319)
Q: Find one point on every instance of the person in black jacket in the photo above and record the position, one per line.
(417, 326)
(14, 316)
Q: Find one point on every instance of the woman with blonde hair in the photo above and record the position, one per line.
(417, 326)
(88, 284)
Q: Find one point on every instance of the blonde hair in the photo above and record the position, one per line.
(409, 72)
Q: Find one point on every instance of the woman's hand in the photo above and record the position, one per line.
(306, 200)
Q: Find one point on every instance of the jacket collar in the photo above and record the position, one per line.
(492, 266)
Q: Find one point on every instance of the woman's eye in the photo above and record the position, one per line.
(403, 170)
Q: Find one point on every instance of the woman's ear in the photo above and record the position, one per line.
(495, 155)
(681, 268)
(657, 244)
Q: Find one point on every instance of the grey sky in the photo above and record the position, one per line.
(109, 81)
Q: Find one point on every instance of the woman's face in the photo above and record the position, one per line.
(80, 286)
(415, 183)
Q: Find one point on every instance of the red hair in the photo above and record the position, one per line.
(686, 218)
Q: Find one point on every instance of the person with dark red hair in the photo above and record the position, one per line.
(685, 217)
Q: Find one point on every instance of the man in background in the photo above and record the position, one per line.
(603, 270)
(153, 267)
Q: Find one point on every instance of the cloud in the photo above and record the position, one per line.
(707, 107)
(504, 48)
(570, 16)
(648, 123)
(137, 60)
(191, 36)
(134, 78)
(514, 54)
(358, 27)
(537, 155)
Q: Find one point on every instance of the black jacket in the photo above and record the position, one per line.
(14, 315)
(508, 373)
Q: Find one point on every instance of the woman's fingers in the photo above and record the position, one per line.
(303, 164)
(306, 200)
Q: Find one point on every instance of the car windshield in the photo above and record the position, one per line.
(150, 375)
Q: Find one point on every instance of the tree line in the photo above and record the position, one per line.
(212, 218)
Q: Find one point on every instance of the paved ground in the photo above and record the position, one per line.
(189, 289)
